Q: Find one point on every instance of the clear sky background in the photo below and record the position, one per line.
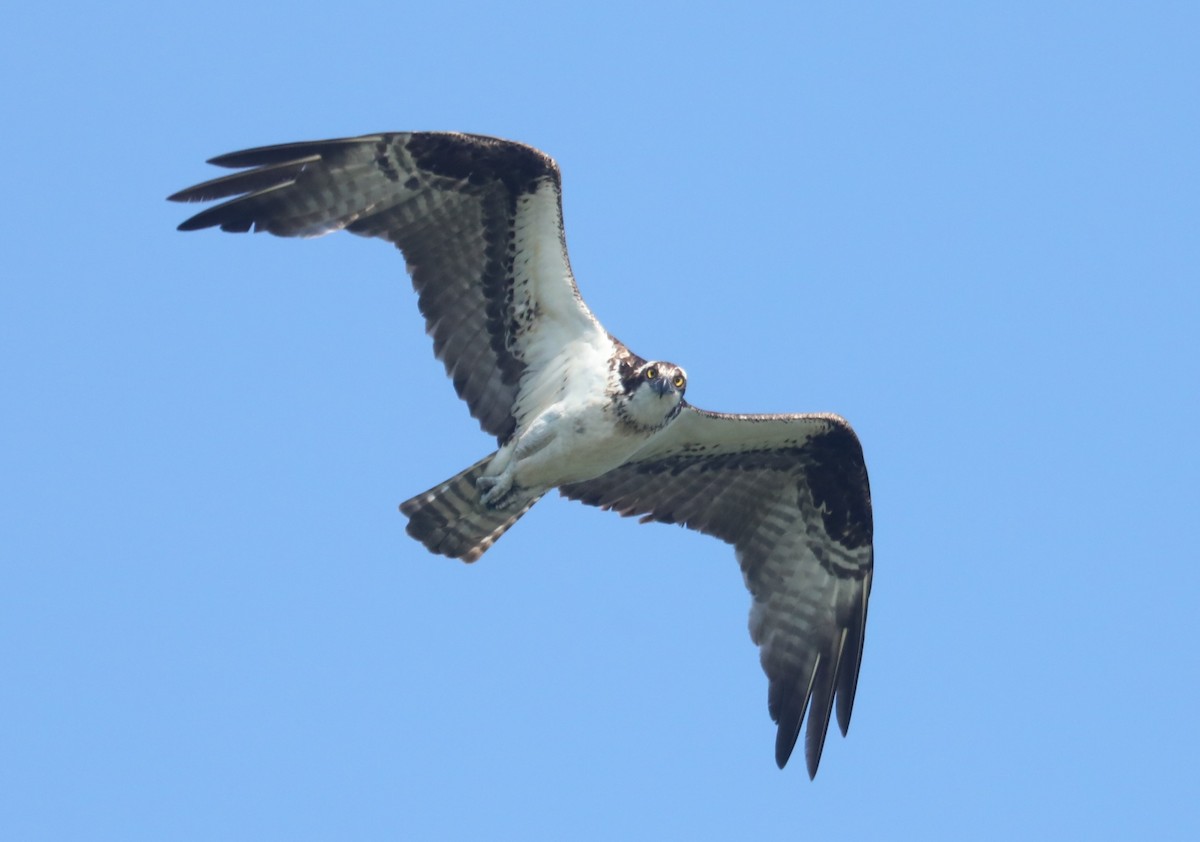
(969, 228)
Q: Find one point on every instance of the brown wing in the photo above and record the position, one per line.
(479, 221)
(790, 492)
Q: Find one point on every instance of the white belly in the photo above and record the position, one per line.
(559, 448)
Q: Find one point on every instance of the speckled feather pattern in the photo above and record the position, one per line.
(479, 221)
(763, 484)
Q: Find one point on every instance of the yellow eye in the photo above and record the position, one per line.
(678, 381)
(651, 373)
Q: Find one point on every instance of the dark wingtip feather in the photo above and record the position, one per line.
(788, 703)
(251, 181)
(282, 153)
(818, 728)
(786, 737)
(275, 167)
(209, 219)
(848, 680)
(238, 215)
(191, 224)
(217, 216)
(821, 707)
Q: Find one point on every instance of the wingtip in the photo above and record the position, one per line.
(812, 754)
(787, 736)
(855, 640)
(785, 746)
(782, 759)
(207, 219)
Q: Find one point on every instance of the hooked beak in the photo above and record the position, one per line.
(662, 387)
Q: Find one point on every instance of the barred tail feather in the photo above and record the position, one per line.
(449, 519)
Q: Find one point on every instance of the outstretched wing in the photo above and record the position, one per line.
(479, 221)
(790, 493)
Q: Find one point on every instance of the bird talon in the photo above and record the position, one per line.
(494, 492)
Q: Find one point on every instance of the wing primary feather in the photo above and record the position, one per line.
(790, 721)
(245, 182)
(237, 215)
(848, 681)
(283, 152)
(820, 708)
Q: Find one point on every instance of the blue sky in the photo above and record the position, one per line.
(969, 228)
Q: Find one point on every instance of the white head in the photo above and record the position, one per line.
(652, 394)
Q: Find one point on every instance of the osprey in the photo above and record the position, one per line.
(479, 222)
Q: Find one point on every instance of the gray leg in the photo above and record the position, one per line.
(496, 491)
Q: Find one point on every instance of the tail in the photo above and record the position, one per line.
(449, 519)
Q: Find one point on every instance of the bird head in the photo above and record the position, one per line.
(654, 393)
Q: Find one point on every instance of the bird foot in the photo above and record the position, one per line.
(495, 492)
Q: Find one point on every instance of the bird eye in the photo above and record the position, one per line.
(678, 381)
(651, 373)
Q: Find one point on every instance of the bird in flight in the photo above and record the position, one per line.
(479, 222)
